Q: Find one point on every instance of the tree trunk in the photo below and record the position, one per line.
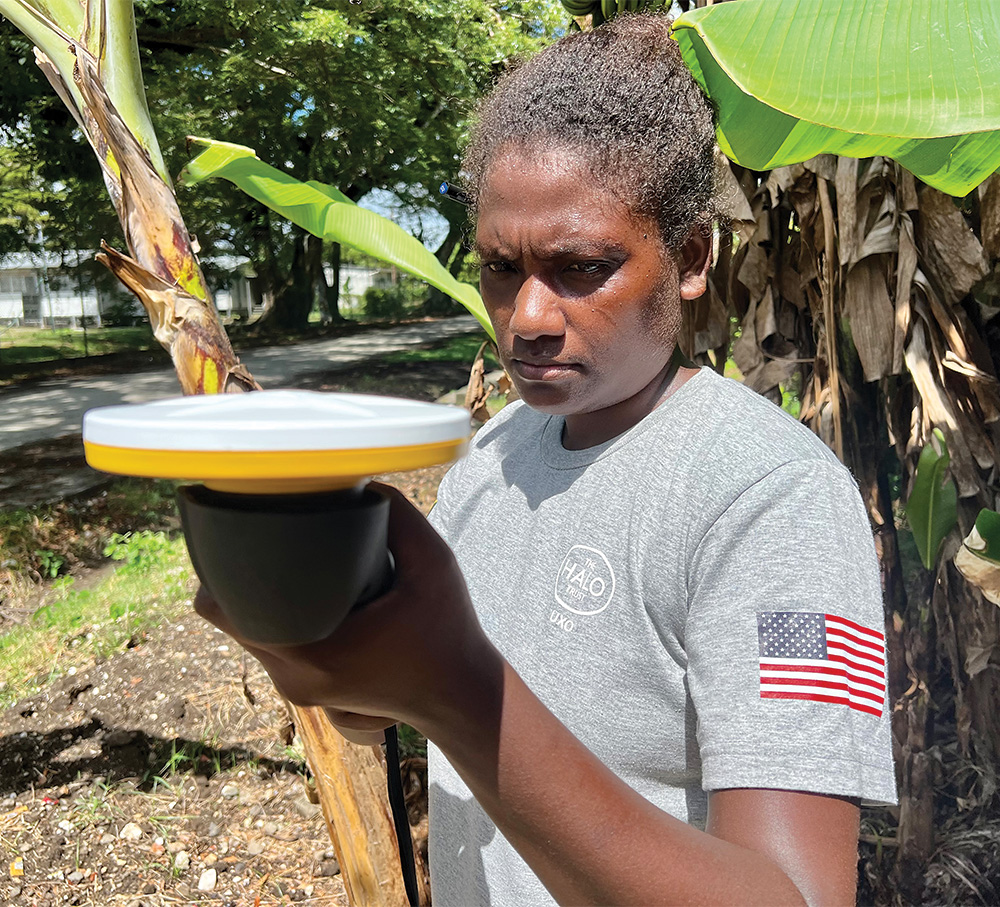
(914, 722)
(332, 289)
(451, 254)
(294, 298)
(968, 630)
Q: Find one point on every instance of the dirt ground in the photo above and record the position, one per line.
(164, 774)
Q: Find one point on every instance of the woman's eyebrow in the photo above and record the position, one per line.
(482, 250)
(558, 249)
(584, 247)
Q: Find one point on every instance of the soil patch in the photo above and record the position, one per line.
(132, 779)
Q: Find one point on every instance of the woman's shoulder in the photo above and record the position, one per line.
(515, 426)
(721, 439)
(727, 421)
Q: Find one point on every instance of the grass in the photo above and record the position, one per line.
(94, 807)
(76, 626)
(456, 349)
(189, 756)
(20, 346)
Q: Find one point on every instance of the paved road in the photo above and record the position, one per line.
(53, 408)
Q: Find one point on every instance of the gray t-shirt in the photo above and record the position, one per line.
(697, 600)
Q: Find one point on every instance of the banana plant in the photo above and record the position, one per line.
(932, 508)
(88, 51)
(326, 212)
(905, 79)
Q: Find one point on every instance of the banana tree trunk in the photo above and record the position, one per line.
(351, 779)
(351, 782)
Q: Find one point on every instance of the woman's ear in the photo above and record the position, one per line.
(693, 263)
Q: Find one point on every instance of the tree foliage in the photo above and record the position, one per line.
(23, 199)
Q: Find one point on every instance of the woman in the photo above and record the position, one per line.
(629, 674)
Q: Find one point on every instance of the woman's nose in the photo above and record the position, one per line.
(537, 311)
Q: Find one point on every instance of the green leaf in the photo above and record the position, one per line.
(979, 556)
(988, 527)
(933, 505)
(984, 540)
(908, 79)
(326, 212)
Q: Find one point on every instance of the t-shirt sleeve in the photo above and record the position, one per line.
(785, 640)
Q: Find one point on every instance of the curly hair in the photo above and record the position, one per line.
(621, 98)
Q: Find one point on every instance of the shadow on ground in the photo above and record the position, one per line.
(90, 750)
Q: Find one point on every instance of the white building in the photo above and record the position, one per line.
(39, 290)
(47, 290)
(355, 279)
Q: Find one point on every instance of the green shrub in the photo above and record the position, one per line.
(394, 302)
(49, 563)
(439, 304)
(140, 551)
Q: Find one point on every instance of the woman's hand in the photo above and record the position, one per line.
(417, 654)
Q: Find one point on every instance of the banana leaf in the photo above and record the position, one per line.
(326, 212)
(913, 80)
(979, 556)
(988, 531)
(933, 505)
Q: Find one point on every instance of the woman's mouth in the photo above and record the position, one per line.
(542, 369)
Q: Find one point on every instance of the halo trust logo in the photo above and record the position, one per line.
(585, 583)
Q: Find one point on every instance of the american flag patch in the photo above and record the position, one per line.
(822, 658)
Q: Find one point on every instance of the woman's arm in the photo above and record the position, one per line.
(419, 655)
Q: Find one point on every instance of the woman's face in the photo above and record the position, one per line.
(583, 295)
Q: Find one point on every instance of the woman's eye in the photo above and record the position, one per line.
(588, 268)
